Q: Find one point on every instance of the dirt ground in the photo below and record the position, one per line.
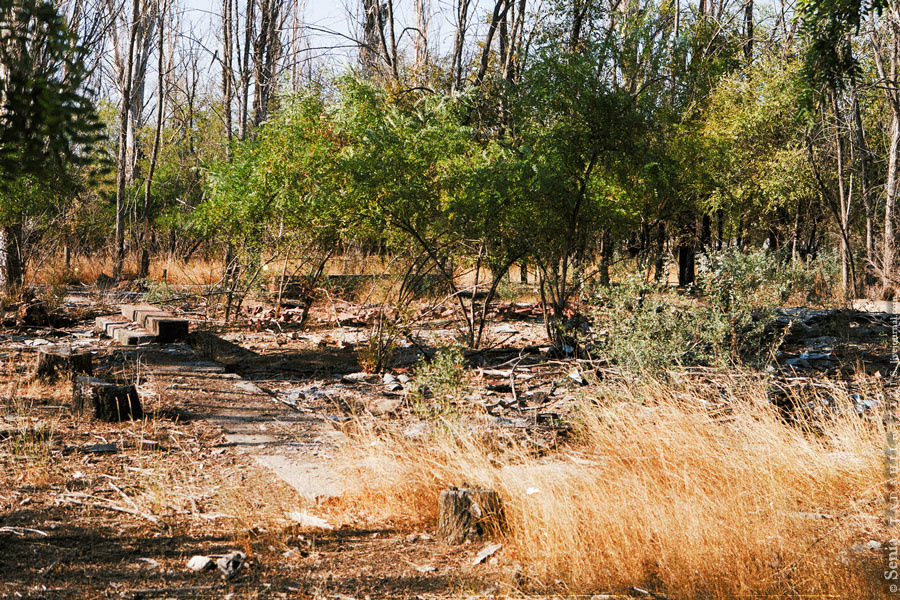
(91, 509)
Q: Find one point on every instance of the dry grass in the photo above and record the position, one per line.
(660, 490)
(86, 269)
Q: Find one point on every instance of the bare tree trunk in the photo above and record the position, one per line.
(124, 113)
(157, 136)
(227, 71)
(844, 196)
(421, 41)
(245, 68)
(11, 270)
(500, 9)
(888, 248)
(456, 58)
(748, 31)
(892, 95)
(510, 65)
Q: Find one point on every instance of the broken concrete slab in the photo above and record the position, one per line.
(107, 325)
(166, 327)
(313, 478)
(133, 337)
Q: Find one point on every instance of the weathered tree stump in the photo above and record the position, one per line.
(109, 401)
(469, 514)
(62, 361)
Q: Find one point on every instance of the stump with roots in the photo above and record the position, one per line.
(108, 401)
(62, 361)
(469, 514)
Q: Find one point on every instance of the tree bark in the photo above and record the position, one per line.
(11, 270)
(124, 115)
(157, 137)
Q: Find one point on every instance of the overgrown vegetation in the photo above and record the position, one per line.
(648, 327)
(657, 491)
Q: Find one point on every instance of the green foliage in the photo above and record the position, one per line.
(648, 327)
(47, 122)
(759, 280)
(376, 354)
(440, 383)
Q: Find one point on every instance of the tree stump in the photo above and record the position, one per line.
(469, 514)
(56, 361)
(109, 401)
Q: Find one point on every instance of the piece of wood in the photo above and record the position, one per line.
(62, 361)
(469, 514)
(108, 401)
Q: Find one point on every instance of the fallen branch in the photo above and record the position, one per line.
(20, 531)
(112, 507)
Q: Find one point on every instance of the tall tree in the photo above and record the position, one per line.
(47, 120)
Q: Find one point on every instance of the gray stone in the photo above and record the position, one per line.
(486, 552)
(231, 563)
(361, 377)
(166, 327)
(199, 563)
(133, 337)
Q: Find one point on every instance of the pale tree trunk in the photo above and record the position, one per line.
(456, 58)
(371, 38)
(863, 150)
(143, 45)
(848, 283)
(245, 68)
(514, 47)
(295, 47)
(160, 113)
(267, 49)
(892, 94)
(227, 72)
(11, 268)
(421, 41)
(888, 248)
(121, 166)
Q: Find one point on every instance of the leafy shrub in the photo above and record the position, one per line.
(440, 383)
(648, 327)
(760, 280)
(376, 354)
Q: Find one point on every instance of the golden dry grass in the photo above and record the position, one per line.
(661, 491)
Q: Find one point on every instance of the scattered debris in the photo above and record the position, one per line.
(200, 563)
(231, 563)
(306, 519)
(486, 552)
